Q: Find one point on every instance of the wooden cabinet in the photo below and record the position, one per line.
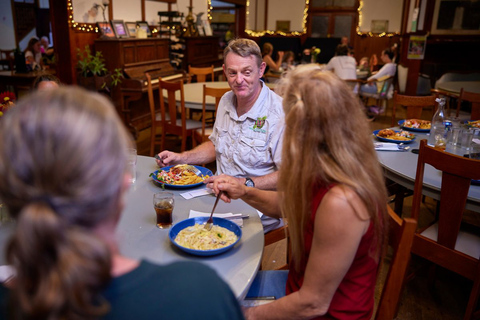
(122, 53)
(202, 52)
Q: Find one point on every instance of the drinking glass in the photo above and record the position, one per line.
(163, 203)
(132, 164)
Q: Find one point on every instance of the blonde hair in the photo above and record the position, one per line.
(62, 160)
(327, 140)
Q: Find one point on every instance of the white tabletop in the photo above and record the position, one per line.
(193, 94)
(401, 167)
(456, 86)
(139, 237)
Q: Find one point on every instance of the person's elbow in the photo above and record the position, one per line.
(312, 305)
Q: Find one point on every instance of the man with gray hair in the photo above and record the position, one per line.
(248, 132)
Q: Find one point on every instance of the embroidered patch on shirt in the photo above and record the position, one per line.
(260, 122)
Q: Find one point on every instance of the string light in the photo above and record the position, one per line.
(209, 9)
(371, 34)
(280, 33)
(84, 27)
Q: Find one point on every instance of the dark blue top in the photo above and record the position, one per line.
(181, 290)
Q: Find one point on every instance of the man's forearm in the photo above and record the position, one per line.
(204, 153)
(266, 182)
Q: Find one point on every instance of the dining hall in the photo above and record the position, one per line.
(240, 159)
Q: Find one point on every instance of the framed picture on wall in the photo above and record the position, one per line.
(106, 29)
(119, 29)
(144, 26)
(379, 26)
(131, 27)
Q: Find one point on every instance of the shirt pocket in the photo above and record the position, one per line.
(222, 140)
(254, 151)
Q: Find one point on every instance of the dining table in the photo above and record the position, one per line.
(401, 167)
(20, 81)
(455, 86)
(139, 238)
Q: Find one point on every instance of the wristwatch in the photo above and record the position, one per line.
(249, 182)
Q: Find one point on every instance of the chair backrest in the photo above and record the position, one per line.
(7, 58)
(201, 73)
(472, 97)
(151, 100)
(172, 88)
(414, 105)
(457, 173)
(402, 73)
(400, 238)
(217, 93)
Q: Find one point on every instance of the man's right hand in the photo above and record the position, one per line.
(167, 158)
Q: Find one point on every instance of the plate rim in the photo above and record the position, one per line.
(212, 252)
(182, 186)
(375, 132)
(400, 122)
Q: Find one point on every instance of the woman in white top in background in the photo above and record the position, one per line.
(389, 69)
(342, 64)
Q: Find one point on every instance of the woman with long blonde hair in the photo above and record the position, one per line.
(63, 179)
(331, 190)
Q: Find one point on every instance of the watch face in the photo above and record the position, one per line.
(249, 183)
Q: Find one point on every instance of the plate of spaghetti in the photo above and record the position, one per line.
(180, 176)
(389, 135)
(191, 236)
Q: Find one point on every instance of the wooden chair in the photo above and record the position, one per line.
(7, 60)
(201, 135)
(449, 98)
(472, 97)
(414, 105)
(400, 238)
(444, 242)
(200, 73)
(155, 116)
(278, 235)
(179, 126)
(382, 95)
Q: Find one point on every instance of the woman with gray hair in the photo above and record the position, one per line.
(63, 171)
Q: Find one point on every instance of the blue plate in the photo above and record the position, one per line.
(203, 170)
(400, 124)
(227, 224)
(375, 133)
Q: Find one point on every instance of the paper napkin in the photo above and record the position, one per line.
(386, 146)
(238, 221)
(196, 193)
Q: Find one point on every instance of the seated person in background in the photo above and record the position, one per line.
(247, 135)
(66, 192)
(47, 51)
(343, 65)
(389, 69)
(33, 55)
(46, 81)
(334, 264)
(288, 62)
(267, 52)
(363, 64)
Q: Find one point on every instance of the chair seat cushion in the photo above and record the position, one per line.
(467, 243)
(208, 131)
(191, 124)
(158, 116)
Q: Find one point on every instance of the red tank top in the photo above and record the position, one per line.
(354, 298)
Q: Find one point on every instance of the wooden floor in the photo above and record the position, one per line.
(446, 300)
